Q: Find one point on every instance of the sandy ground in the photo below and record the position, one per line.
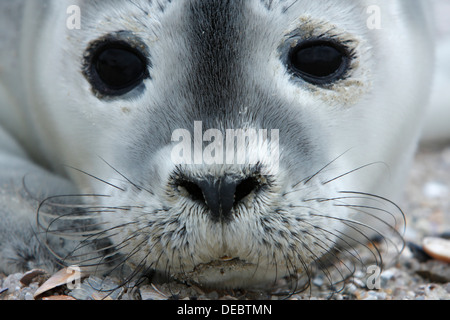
(427, 203)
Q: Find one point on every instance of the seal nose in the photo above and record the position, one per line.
(220, 195)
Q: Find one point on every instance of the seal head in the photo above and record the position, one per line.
(144, 84)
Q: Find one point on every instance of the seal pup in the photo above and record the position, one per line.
(88, 117)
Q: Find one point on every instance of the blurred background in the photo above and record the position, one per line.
(427, 197)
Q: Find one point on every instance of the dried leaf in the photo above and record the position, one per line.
(62, 277)
(28, 277)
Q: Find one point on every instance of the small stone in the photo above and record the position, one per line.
(213, 295)
(359, 283)
(388, 274)
(151, 292)
(351, 289)
(28, 296)
(318, 281)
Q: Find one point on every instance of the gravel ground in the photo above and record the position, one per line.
(416, 276)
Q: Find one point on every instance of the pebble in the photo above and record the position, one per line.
(148, 292)
(95, 288)
(12, 289)
(28, 296)
(318, 281)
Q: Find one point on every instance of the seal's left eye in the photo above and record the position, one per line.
(116, 68)
(319, 62)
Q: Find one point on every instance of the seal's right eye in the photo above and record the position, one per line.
(115, 68)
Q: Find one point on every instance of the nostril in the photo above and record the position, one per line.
(244, 188)
(219, 195)
(194, 191)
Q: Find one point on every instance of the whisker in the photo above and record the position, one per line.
(335, 263)
(307, 180)
(347, 246)
(127, 179)
(359, 207)
(353, 171)
(287, 8)
(307, 271)
(349, 223)
(142, 264)
(383, 199)
(96, 178)
(124, 242)
(290, 265)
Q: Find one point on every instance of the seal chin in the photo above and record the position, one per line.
(229, 273)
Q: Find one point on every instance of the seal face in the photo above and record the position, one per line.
(226, 143)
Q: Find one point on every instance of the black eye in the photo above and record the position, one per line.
(116, 68)
(319, 62)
